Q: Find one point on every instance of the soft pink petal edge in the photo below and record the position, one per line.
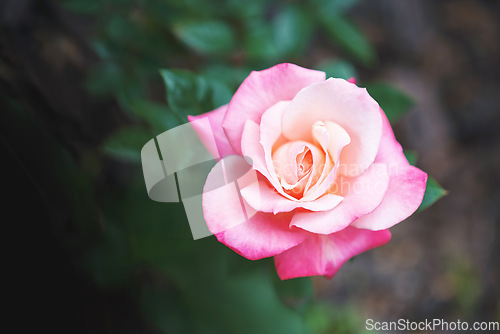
(263, 197)
(349, 106)
(254, 235)
(263, 235)
(215, 131)
(361, 194)
(325, 254)
(406, 186)
(262, 89)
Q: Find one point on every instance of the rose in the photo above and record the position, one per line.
(331, 177)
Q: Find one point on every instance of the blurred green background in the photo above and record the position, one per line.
(82, 92)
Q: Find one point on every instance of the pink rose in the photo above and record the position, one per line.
(331, 177)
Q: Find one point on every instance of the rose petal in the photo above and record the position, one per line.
(406, 187)
(263, 197)
(361, 194)
(325, 173)
(285, 160)
(262, 236)
(285, 163)
(215, 131)
(347, 105)
(253, 149)
(339, 138)
(325, 254)
(334, 138)
(260, 152)
(270, 132)
(252, 234)
(390, 151)
(261, 90)
(222, 206)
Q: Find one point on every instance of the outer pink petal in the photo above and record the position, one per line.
(263, 197)
(325, 254)
(222, 206)
(263, 235)
(347, 105)
(252, 234)
(215, 131)
(390, 151)
(361, 194)
(406, 187)
(261, 90)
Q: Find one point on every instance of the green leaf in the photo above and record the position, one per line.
(127, 143)
(224, 81)
(230, 75)
(221, 92)
(286, 35)
(157, 115)
(291, 28)
(411, 156)
(433, 192)
(338, 69)
(187, 94)
(394, 102)
(259, 41)
(347, 36)
(207, 37)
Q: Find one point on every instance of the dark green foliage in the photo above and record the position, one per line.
(344, 33)
(206, 37)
